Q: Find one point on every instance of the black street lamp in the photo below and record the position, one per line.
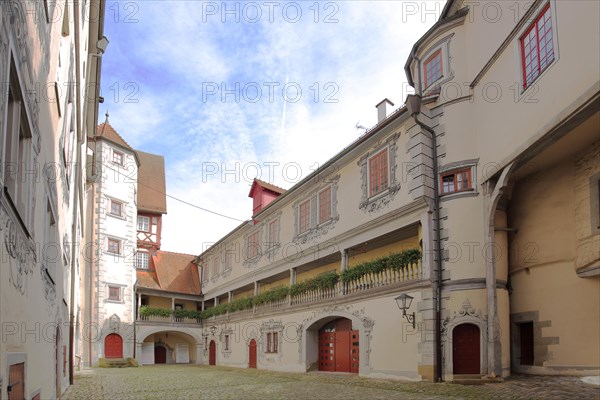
(404, 301)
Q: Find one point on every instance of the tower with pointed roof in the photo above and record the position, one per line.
(112, 190)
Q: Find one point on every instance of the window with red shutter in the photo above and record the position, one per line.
(378, 173)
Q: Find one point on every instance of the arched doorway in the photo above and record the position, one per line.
(338, 347)
(160, 355)
(252, 354)
(212, 353)
(113, 346)
(466, 349)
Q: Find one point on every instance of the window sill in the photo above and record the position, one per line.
(458, 194)
(114, 301)
(117, 216)
(113, 254)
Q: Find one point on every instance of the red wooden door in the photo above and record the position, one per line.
(327, 351)
(113, 346)
(160, 355)
(354, 352)
(16, 382)
(252, 354)
(212, 353)
(465, 349)
(342, 351)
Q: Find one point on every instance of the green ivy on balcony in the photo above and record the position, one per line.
(326, 280)
(394, 261)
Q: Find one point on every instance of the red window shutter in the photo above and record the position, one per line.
(268, 342)
(275, 342)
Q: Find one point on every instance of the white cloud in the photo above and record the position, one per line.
(361, 56)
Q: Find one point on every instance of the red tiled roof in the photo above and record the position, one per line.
(174, 272)
(105, 130)
(266, 185)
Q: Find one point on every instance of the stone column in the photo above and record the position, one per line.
(344, 261)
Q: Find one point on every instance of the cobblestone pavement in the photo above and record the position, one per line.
(202, 382)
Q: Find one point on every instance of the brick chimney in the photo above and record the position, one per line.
(384, 108)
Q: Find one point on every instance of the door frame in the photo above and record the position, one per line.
(212, 354)
(115, 335)
(252, 344)
(470, 317)
(479, 335)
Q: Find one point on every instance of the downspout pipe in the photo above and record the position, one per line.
(415, 111)
(77, 177)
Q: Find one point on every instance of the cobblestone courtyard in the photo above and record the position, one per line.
(203, 382)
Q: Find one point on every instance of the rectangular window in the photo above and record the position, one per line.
(378, 173)
(272, 342)
(304, 217)
(18, 152)
(273, 233)
(228, 256)
(114, 293)
(537, 47)
(253, 245)
(116, 208)
(325, 205)
(114, 246)
(118, 157)
(433, 68)
(141, 260)
(143, 223)
(226, 344)
(456, 181)
(216, 266)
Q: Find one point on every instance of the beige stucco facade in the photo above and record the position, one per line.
(519, 246)
(49, 52)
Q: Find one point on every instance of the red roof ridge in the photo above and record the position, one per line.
(174, 252)
(269, 186)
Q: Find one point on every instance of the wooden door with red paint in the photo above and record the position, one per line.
(465, 349)
(212, 353)
(327, 351)
(252, 354)
(113, 346)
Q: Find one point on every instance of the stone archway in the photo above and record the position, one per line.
(308, 336)
(467, 315)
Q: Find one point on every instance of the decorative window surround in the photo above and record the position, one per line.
(382, 199)
(216, 265)
(273, 242)
(316, 229)
(109, 207)
(253, 251)
(225, 337)
(443, 47)
(269, 331)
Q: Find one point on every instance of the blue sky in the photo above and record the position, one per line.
(226, 91)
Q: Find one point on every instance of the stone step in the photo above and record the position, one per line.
(117, 363)
(474, 379)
